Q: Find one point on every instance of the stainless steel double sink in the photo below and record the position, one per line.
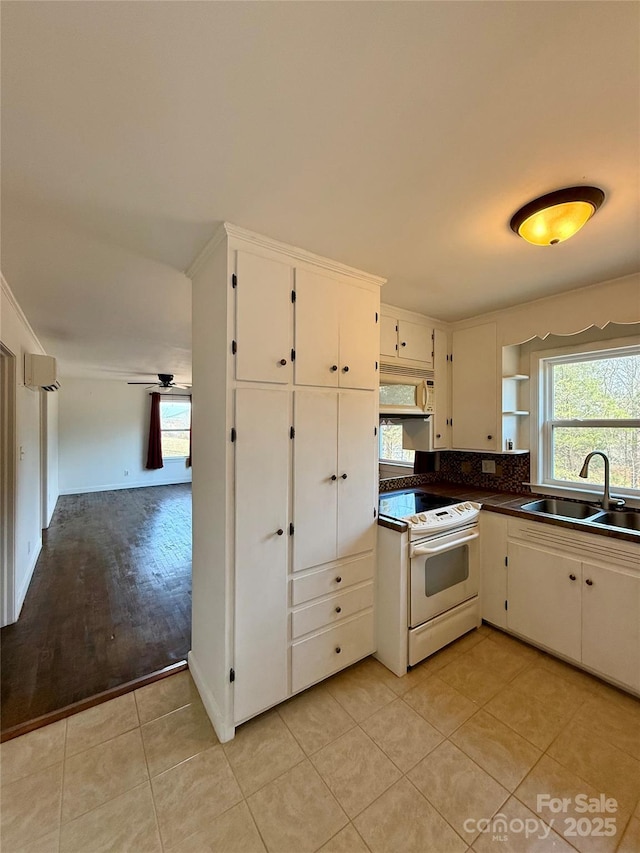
(574, 510)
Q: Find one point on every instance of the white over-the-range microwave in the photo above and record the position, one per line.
(406, 394)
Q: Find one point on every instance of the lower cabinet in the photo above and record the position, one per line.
(331, 619)
(543, 594)
(577, 594)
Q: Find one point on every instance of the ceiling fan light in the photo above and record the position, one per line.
(555, 217)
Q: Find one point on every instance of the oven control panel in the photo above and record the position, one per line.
(445, 518)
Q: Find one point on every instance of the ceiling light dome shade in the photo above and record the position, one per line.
(556, 216)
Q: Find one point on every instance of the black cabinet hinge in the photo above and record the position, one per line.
(232, 675)
(376, 316)
(506, 605)
(375, 430)
(447, 357)
(234, 283)
(375, 513)
(292, 432)
(506, 561)
(396, 329)
(233, 434)
(234, 347)
(291, 529)
(376, 365)
(451, 357)
(293, 296)
(293, 355)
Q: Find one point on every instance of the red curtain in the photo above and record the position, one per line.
(154, 453)
(190, 424)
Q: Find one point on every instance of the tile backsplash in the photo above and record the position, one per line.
(461, 468)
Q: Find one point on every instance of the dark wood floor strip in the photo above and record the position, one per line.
(109, 603)
(105, 696)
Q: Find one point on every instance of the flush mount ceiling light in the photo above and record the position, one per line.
(556, 216)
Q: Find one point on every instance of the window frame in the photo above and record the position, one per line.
(171, 397)
(398, 462)
(542, 425)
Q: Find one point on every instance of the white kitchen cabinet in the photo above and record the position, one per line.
(611, 622)
(263, 319)
(406, 338)
(334, 475)
(573, 593)
(543, 594)
(475, 388)
(442, 417)
(261, 548)
(278, 561)
(357, 467)
(493, 562)
(336, 325)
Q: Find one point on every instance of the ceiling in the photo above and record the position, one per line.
(396, 137)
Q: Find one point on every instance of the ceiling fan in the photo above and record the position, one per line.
(165, 380)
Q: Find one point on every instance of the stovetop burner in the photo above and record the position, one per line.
(403, 504)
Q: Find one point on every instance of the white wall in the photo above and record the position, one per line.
(17, 335)
(104, 430)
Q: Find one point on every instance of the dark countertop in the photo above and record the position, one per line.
(508, 503)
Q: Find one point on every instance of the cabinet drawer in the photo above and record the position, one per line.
(330, 610)
(333, 579)
(316, 658)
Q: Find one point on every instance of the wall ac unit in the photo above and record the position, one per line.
(40, 372)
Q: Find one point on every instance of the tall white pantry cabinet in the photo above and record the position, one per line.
(285, 377)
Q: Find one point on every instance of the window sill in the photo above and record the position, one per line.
(174, 458)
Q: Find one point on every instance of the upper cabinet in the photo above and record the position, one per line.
(263, 339)
(405, 341)
(442, 416)
(336, 332)
(475, 389)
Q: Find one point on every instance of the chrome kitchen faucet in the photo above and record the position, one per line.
(607, 501)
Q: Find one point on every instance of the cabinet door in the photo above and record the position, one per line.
(474, 388)
(315, 493)
(317, 329)
(611, 623)
(262, 490)
(441, 370)
(357, 464)
(493, 552)
(543, 593)
(263, 319)
(388, 337)
(415, 343)
(359, 337)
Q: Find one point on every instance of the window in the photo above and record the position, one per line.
(175, 421)
(591, 401)
(390, 445)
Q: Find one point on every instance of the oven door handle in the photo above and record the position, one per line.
(423, 550)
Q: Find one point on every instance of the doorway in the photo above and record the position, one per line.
(7, 483)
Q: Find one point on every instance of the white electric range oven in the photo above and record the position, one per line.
(432, 573)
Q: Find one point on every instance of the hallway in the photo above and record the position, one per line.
(110, 600)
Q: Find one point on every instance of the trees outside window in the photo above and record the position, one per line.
(592, 402)
(175, 420)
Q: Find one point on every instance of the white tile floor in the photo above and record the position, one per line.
(363, 762)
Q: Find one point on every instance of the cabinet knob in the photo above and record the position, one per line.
(572, 577)
(338, 609)
(283, 361)
(344, 476)
(280, 532)
(338, 579)
(334, 367)
(338, 650)
(334, 476)
(489, 437)
(438, 435)
(589, 582)
(345, 369)
(403, 343)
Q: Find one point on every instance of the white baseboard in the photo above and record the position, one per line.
(223, 729)
(21, 594)
(114, 487)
